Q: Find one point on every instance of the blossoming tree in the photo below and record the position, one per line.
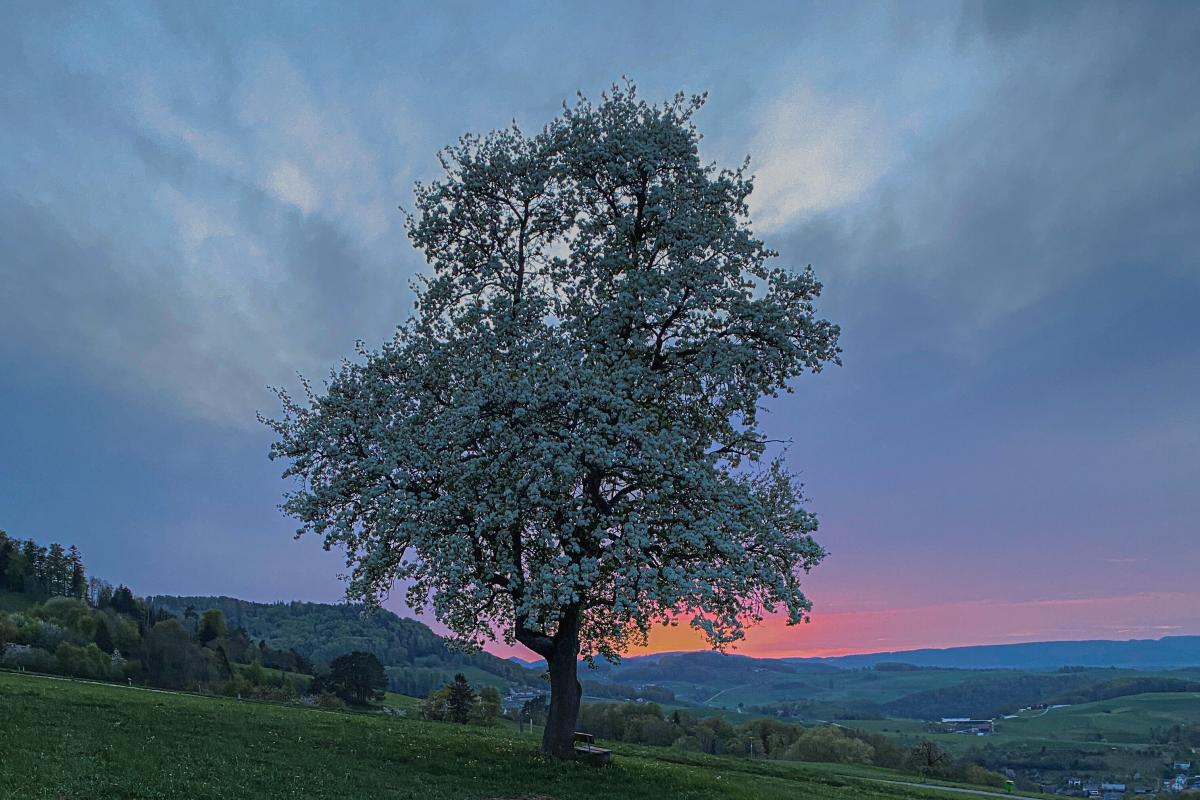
(562, 446)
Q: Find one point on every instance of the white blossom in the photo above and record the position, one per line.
(562, 446)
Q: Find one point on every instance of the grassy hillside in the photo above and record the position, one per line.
(69, 739)
(815, 691)
(1104, 738)
(1125, 720)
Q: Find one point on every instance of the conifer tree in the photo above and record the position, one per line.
(459, 699)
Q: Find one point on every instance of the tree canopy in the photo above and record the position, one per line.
(562, 446)
(356, 677)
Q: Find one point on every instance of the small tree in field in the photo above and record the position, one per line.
(562, 447)
(211, 626)
(460, 697)
(356, 677)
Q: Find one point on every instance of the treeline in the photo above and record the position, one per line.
(1035, 758)
(1187, 735)
(122, 638)
(1121, 687)
(416, 658)
(41, 572)
(815, 709)
(133, 643)
(645, 723)
(617, 691)
(416, 681)
(706, 669)
(985, 697)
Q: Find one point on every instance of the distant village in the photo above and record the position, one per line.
(1183, 780)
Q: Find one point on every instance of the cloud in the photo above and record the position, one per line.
(192, 234)
(1071, 156)
(814, 154)
(290, 185)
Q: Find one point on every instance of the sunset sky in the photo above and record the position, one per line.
(1002, 200)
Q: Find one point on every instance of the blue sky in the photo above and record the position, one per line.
(200, 200)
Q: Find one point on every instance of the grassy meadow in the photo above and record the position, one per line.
(1106, 737)
(69, 739)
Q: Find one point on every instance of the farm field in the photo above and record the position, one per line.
(70, 739)
(1121, 720)
(1102, 737)
(1126, 720)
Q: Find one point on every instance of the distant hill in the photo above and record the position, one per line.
(917, 684)
(708, 668)
(416, 657)
(538, 664)
(1165, 653)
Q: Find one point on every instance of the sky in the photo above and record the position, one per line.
(198, 201)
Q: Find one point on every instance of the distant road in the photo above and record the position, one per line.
(954, 789)
(723, 691)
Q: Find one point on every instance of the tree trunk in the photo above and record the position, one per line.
(558, 738)
(561, 652)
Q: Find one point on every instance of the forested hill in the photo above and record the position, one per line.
(321, 632)
(1165, 653)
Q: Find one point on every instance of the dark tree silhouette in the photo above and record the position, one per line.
(356, 677)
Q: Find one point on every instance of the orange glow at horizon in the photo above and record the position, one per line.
(1147, 615)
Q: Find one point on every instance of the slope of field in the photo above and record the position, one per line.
(767, 686)
(1106, 737)
(69, 739)
(1125, 720)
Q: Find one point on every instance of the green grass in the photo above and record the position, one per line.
(61, 738)
(401, 701)
(1113, 732)
(1123, 720)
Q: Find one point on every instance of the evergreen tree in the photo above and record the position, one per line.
(123, 601)
(78, 584)
(7, 546)
(33, 577)
(57, 570)
(459, 699)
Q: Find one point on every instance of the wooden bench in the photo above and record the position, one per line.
(586, 750)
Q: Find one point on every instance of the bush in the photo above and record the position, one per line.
(83, 662)
(8, 631)
(34, 659)
(70, 614)
(329, 700)
(829, 745)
